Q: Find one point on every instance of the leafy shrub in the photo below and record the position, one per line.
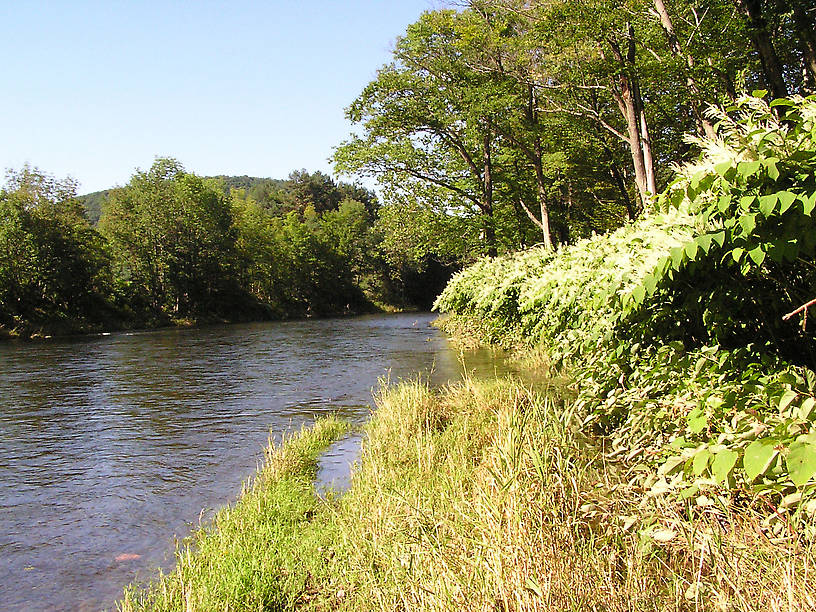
(753, 195)
(669, 325)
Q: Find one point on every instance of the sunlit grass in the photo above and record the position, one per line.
(484, 495)
(257, 554)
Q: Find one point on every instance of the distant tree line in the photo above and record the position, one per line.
(173, 246)
(498, 125)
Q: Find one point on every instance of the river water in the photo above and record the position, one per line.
(111, 446)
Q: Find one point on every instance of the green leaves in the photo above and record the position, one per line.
(757, 255)
(697, 420)
(691, 249)
(767, 204)
(748, 223)
(786, 399)
(735, 417)
(786, 199)
(758, 457)
(704, 242)
(54, 266)
(808, 203)
(723, 463)
(801, 462)
(700, 462)
(723, 168)
(677, 255)
(747, 169)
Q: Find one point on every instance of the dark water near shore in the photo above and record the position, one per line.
(110, 446)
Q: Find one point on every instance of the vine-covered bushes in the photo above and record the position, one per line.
(667, 324)
(570, 299)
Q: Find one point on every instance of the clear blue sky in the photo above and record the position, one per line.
(96, 89)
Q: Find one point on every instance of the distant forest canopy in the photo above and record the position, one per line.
(301, 189)
(171, 246)
(511, 122)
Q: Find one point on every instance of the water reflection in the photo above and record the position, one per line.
(111, 445)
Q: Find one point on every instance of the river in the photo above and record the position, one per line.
(111, 446)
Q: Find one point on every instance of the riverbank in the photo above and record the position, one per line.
(678, 472)
(114, 446)
(68, 328)
(667, 477)
(484, 495)
(250, 557)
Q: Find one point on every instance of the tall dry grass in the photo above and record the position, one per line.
(480, 496)
(484, 496)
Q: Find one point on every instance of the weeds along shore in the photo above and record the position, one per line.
(257, 553)
(483, 495)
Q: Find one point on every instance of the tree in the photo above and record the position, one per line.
(425, 124)
(626, 74)
(171, 234)
(54, 268)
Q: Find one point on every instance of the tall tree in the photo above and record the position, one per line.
(171, 233)
(53, 265)
(424, 123)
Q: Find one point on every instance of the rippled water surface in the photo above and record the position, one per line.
(110, 446)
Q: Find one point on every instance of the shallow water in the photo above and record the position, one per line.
(111, 446)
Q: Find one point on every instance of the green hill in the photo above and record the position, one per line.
(301, 189)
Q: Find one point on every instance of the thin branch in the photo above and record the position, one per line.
(800, 309)
(532, 217)
(804, 308)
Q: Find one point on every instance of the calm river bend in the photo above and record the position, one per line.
(111, 446)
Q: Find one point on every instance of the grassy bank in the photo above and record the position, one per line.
(485, 495)
(259, 553)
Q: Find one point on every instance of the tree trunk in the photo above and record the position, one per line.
(645, 143)
(627, 95)
(541, 180)
(761, 38)
(633, 132)
(545, 215)
(618, 178)
(804, 25)
(704, 126)
(487, 194)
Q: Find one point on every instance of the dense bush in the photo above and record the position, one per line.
(753, 195)
(641, 318)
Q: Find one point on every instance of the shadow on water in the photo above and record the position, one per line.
(112, 445)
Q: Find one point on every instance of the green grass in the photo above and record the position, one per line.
(259, 553)
(484, 495)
